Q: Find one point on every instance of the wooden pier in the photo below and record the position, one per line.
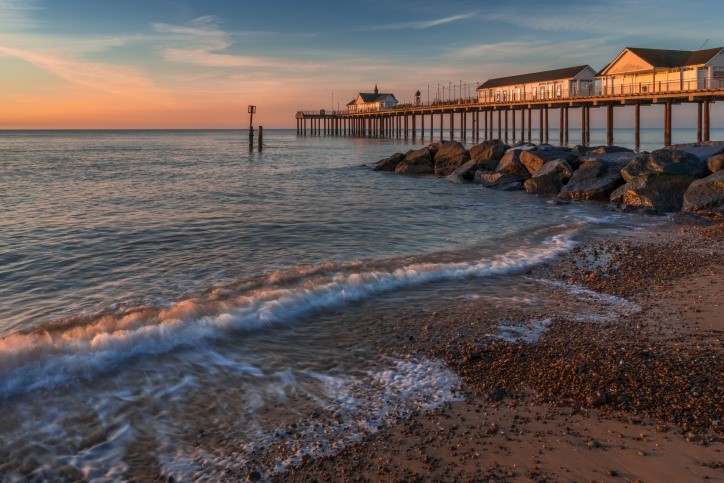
(485, 120)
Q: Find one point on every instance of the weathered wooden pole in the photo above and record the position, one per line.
(442, 121)
(522, 124)
(588, 125)
(530, 124)
(506, 125)
(452, 125)
(540, 125)
(566, 127)
(432, 126)
(667, 124)
(261, 137)
(707, 112)
(698, 121)
(637, 126)
(414, 126)
(512, 119)
(477, 123)
(547, 124)
(609, 124)
(463, 126)
(500, 124)
(583, 125)
(422, 125)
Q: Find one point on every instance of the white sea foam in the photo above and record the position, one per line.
(599, 307)
(55, 357)
(528, 333)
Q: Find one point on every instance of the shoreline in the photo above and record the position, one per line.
(638, 397)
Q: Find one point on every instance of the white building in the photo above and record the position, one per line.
(372, 102)
(551, 84)
(640, 71)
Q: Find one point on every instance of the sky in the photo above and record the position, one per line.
(81, 64)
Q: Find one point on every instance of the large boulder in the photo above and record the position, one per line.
(668, 161)
(594, 180)
(466, 171)
(715, 163)
(599, 150)
(389, 164)
(703, 150)
(488, 150)
(550, 178)
(658, 191)
(498, 181)
(416, 162)
(580, 150)
(534, 159)
(450, 156)
(510, 164)
(705, 196)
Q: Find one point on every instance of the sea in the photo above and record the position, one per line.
(173, 304)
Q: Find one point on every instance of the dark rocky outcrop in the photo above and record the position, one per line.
(534, 159)
(416, 162)
(705, 196)
(594, 180)
(661, 192)
(598, 150)
(510, 164)
(389, 164)
(498, 181)
(488, 150)
(580, 150)
(668, 161)
(550, 178)
(467, 170)
(715, 163)
(450, 156)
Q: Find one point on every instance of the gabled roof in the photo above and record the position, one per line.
(667, 58)
(373, 97)
(548, 75)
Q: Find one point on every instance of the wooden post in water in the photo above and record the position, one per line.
(588, 125)
(667, 124)
(637, 126)
(566, 127)
(506, 126)
(609, 124)
(540, 125)
(706, 120)
(452, 125)
(261, 137)
(522, 124)
(560, 125)
(512, 119)
(547, 124)
(583, 125)
(422, 126)
(698, 122)
(530, 124)
(251, 110)
(500, 124)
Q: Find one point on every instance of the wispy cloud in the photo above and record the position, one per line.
(420, 25)
(17, 14)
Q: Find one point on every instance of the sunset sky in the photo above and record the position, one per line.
(198, 64)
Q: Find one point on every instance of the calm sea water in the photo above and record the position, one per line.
(171, 302)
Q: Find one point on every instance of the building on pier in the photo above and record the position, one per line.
(371, 102)
(644, 71)
(551, 84)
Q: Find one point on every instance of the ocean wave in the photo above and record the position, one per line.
(63, 354)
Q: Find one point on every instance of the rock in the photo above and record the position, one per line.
(598, 150)
(389, 164)
(545, 147)
(510, 164)
(703, 150)
(416, 162)
(705, 196)
(466, 171)
(580, 150)
(487, 150)
(455, 177)
(669, 161)
(659, 191)
(715, 163)
(549, 179)
(498, 181)
(594, 180)
(450, 156)
(535, 159)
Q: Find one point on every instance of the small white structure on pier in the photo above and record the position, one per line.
(643, 71)
(551, 84)
(372, 102)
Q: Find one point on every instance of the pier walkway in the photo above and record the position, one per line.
(509, 117)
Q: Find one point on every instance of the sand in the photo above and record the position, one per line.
(637, 397)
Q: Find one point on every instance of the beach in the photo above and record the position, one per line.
(635, 398)
(178, 307)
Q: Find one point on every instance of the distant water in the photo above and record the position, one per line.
(170, 302)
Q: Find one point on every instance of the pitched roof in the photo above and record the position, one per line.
(669, 58)
(548, 75)
(372, 97)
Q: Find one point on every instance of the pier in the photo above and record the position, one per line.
(507, 120)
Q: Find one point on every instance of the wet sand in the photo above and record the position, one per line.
(637, 397)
